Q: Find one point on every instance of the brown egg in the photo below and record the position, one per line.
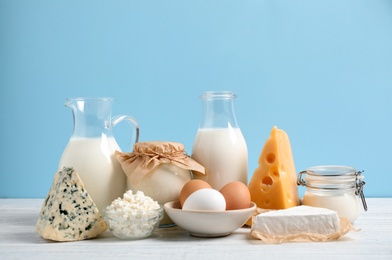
(192, 186)
(237, 195)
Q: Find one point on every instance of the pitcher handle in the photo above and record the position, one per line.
(118, 119)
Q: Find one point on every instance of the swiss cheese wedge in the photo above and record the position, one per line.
(274, 183)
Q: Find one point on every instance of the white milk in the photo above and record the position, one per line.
(101, 173)
(223, 153)
(345, 203)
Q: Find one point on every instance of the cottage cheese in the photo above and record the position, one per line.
(133, 216)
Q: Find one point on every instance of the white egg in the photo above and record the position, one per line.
(205, 199)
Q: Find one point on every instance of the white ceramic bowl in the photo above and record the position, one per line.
(208, 223)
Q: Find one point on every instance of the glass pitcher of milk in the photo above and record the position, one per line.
(90, 150)
(219, 144)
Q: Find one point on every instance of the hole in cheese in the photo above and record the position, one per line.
(270, 158)
(267, 180)
(275, 171)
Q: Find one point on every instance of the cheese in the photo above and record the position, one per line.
(68, 212)
(274, 183)
(296, 221)
(133, 216)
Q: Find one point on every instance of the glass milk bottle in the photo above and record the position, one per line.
(90, 150)
(219, 144)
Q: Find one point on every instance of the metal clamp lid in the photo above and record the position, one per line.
(300, 181)
(359, 188)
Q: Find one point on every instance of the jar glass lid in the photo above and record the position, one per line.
(330, 177)
(331, 170)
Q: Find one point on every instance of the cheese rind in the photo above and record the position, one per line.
(274, 182)
(68, 212)
(296, 221)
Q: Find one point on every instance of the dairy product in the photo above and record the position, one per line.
(68, 212)
(133, 216)
(163, 184)
(301, 223)
(160, 169)
(334, 187)
(274, 183)
(301, 219)
(223, 153)
(93, 159)
(346, 203)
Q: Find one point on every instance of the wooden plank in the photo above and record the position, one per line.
(18, 240)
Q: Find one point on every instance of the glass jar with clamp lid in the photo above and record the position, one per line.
(334, 187)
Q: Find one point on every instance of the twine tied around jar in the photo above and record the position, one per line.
(147, 156)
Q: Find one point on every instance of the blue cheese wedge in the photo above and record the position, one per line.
(68, 212)
(301, 223)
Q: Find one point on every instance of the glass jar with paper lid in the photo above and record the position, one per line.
(159, 169)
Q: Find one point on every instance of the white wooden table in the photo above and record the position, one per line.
(18, 240)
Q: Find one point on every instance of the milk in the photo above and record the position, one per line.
(101, 173)
(345, 203)
(223, 153)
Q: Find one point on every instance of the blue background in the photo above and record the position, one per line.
(320, 70)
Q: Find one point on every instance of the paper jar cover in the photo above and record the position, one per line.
(146, 156)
